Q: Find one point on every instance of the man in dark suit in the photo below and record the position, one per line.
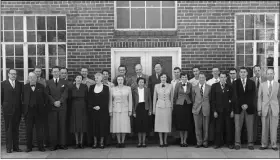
(232, 76)
(57, 90)
(245, 95)
(11, 101)
(221, 97)
(122, 71)
(34, 103)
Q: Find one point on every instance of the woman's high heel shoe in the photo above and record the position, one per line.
(94, 146)
(102, 146)
(77, 146)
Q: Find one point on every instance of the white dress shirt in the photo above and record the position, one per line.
(55, 79)
(268, 83)
(141, 95)
(12, 83)
(203, 88)
(185, 87)
(210, 82)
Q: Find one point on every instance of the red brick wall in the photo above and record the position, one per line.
(205, 32)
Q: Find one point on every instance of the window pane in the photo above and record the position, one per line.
(61, 23)
(270, 48)
(18, 36)
(31, 36)
(249, 60)
(249, 48)
(8, 36)
(153, 3)
(31, 50)
(270, 18)
(41, 36)
(166, 60)
(261, 60)
(269, 34)
(61, 36)
(20, 74)
(61, 49)
(52, 50)
(19, 62)
(168, 18)
(240, 35)
(10, 50)
(259, 21)
(41, 23)
(30, 20)
(137, 3)
(240, 21)
(130, 62)
(2, 35)
(10, 62)
(260, 34)
(123, 18)
(153, 18)
(249, 34)
(62, 61)
(51, 36)
(8, 23)
(41, 50)
(51, 23)
(18, 22)
(41, 62)
(239, 48)
(168, 4)
(18, 50)
(53, 61)
(122, 3)
(31, 62)
(240, 60)
(137, 18)
(260, 48)
(249, 21)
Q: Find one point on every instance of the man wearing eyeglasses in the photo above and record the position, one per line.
(232, 76)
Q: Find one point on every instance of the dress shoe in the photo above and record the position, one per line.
(63, 147)
(42, 149)
(216, 147)
(28, 150)
(77, 146)
(82, 146)
(9, 151)
(275, 148)
(144, 145)
(251, 147)
(17, 150)
(161, 145)
(122, 145)
(53, 148)
(139, 145)
(185, 145)
(230, 146)
(181, 145)
(118, 145)
(102, 146)
(237, 147)
(205, 145)
(165, 145)
(198, 146)
(263, 148)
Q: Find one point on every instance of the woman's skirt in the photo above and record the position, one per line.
(142, 119)
(120, 122)
(163, 119)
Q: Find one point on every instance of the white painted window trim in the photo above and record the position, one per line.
(145, 29)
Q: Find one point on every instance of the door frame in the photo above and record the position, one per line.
(133, 50)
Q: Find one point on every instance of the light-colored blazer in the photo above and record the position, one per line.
(120, 99)
(147, 98)
(265, 100)
(180, 96)
(163, 96)
(201, 102)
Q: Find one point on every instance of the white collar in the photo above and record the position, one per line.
(11, 81)
(201, 84)
(271, 82)
(55, 79)
(245, 79)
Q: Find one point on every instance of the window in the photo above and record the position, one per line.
(145, 15)
(31, 40)
(256, 40)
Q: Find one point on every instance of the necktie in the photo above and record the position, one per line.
(56, 82)
(201, 90)
(163, 85)
(258, 82)
(243, 83)
(223, 86)
(13, 84)
(184, 84)
(270, 88)
(32, 87)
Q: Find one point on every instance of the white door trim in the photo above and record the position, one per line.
(115, 50)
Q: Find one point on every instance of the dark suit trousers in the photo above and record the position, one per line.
(256, 129)
(12, 129)
(34, 117)
(223, 124)
(57, 127)
(46, 138)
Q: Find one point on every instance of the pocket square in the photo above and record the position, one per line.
(62, 86)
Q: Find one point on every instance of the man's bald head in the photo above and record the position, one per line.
(138, 69)
(32, 77)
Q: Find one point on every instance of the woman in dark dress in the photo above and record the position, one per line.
(78, 120)
(183, 108)
(142, 108)
(98, 103)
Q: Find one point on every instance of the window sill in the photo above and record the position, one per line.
(145, 32)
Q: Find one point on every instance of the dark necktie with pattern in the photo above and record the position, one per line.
(201, 91)
(258, 82)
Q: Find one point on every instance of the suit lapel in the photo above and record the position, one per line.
(137, 94)
(274, 87)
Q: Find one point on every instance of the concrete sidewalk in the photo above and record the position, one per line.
(152, 151)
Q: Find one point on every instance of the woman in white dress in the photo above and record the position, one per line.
(120, 109)
(162, 109)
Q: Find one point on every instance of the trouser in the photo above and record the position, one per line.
(57, 127)
(269, 125)
(12, 129)
(223, 123)
(201, 123)
(256, 129)
(34, 117)
(239, 119)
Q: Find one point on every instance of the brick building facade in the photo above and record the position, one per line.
(206, 33)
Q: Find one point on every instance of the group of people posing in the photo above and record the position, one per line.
(99, 107)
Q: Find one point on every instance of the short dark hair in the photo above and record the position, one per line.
(157, 63)
(78, 74)
(216, 67)
(233, 69)
(55, 67)
(64, 68)
(11, 69)
(116, 80)
(202, 73)
(196, 67)
(141, 78)
(37, 67)
(224, 73)
(177, 68)
(163, 74)
(105, 70)
(84, 68)
(184, 74)
(257, 66)
(243, 68)
(122, 65)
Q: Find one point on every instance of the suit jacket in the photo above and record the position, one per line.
(133, 81)
(120, 99)
(40, 80)
(11, 99)
(263, 79)
(265, 100)
(228, 81)
(57, 93)
(147, 98)
(153, 81)
(163, 96)
(248, 97)
(41, 97)
(221, 99)
(201, 102)
(180, 96)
